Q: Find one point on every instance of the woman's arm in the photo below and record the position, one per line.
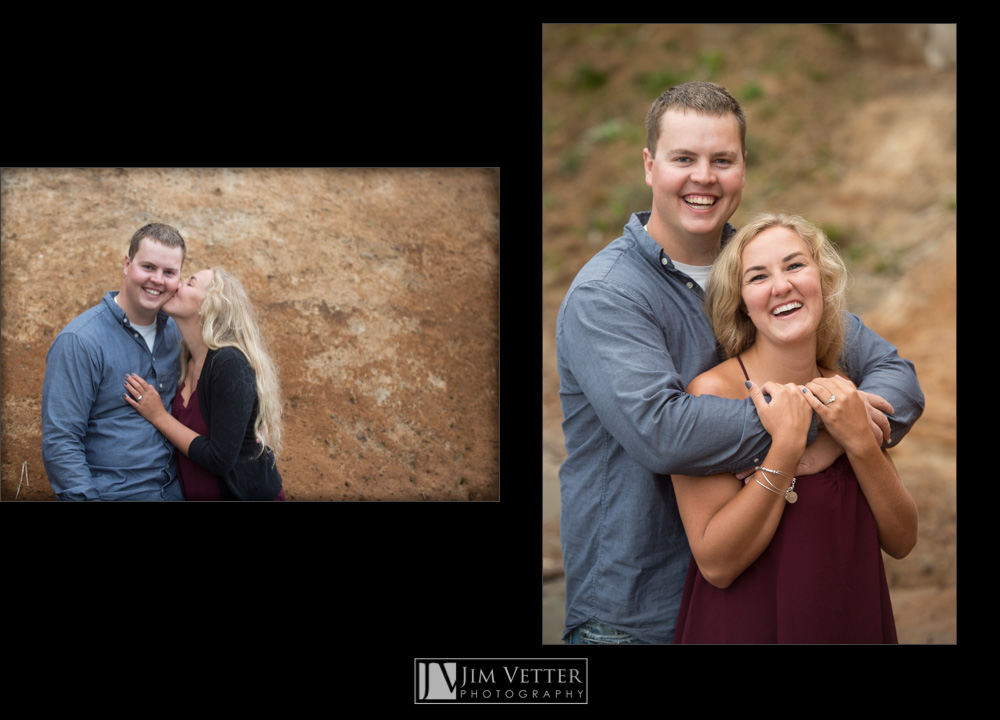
(730, 524)
(144, 398)
(847, 421)
(231, 394)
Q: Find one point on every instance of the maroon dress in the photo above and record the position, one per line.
(197, 483)
(820, 580)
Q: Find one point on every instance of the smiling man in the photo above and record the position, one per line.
(94, 445)
(696, 168)
(630, 335)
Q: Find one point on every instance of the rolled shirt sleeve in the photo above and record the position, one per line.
(875, 366)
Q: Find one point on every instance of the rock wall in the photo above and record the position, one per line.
(378, 290)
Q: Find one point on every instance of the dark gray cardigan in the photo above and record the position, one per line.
(227, 393)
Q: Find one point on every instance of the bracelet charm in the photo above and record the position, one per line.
(790, 495)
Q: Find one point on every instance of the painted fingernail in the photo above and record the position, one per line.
(747, 384)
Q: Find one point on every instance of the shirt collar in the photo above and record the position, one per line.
(651, 249)
(119, 314)
(116, 311)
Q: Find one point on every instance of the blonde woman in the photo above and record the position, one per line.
(777, 558)
(226, 418)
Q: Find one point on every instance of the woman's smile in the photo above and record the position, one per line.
(786, 310)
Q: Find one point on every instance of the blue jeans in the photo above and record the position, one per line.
(597, 633)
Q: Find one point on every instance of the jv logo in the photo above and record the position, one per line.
(437, 680)
(491, 680)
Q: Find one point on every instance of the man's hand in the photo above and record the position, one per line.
(878, 407)
(820, 455)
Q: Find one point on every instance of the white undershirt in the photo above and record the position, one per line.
(148, 332)
(698, 273)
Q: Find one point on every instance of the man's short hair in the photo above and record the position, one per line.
(703, 97)
(160, 233)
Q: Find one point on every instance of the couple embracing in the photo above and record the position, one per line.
(165, 390)
(694, 510)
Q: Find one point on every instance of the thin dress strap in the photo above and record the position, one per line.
(744, 369)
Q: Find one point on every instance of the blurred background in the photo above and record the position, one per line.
(851, 126)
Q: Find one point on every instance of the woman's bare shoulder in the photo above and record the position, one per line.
(724, 380)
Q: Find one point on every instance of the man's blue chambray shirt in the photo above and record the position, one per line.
(630, 335)
(95, 445)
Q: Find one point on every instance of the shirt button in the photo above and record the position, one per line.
(756, 460)
(664, 261)
(690, 285)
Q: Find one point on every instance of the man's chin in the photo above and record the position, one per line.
(152, 306)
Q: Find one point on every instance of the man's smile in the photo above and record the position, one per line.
(700, 202)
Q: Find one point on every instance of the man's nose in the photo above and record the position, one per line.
(703, 172)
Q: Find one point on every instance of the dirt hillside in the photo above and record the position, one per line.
(851, 126)
(378, 290)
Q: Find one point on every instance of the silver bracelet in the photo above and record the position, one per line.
(773, 472)
(790, 495)
(769, 489)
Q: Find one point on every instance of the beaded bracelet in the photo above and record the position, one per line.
(790, 495)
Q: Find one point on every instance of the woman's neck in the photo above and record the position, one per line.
(782, 364)
(191, 334)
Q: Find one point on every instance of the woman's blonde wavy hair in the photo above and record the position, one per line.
(228, 319)
(734, 330)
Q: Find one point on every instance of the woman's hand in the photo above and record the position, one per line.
(143, 397)
(841, 407)
(787, 417)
